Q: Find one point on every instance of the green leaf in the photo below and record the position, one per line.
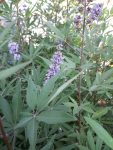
(111, 11)
(49, 144)
(68, 147)
(93, 88)
(87, 107)
(62, 87)
(90, 139)
(100, 131)
(23, 122)
(6, 109)
(101, 112)
(82, 147)
(31, 96)
(32, 127)
(5, 32)
(58, 33)
(106, 75)
(98, 79)
(69, 63)
(8, 72)
(17, 102)
(46, 61)
(43, 97)
(88, 80)
(99, 143)
(54, 117)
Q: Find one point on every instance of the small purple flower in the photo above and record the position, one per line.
(54, 68)
(89, 21)
(88, 9)
(13, 48)
(57, 58)
(96, 12)
(16, 56)
(23, 8)
(77, 20)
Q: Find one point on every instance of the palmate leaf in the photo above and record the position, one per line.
(44, 99)
(8, 72)
(100, 131)
(55, 117)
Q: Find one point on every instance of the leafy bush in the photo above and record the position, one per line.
(56, 76)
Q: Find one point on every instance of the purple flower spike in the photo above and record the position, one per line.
(96, 12)
(55, 66)
(13, 48)
(57, 58)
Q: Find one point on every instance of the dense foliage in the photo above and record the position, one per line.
(56, 75)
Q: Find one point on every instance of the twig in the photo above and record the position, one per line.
(4, 136)
(67, 8)
(81, 61)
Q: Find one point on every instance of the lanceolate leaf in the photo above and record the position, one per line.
(83, 147)
(31, 94)
(62, 87)
(17, 102)
(106, 75)
(68, 147)
(49, 144)
(23, 122)
(99, 143)
(8, 72)
(54, 117)
(58, 33)
(5, 32)
(43, 97)
(6, 109)
(100, 131)
(101, 112)
(32, 127)
(91, 141)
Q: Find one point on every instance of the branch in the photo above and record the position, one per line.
(4, 136)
